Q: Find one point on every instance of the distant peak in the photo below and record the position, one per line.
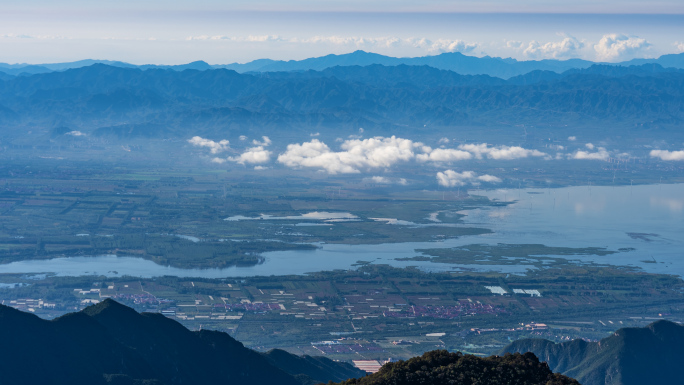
(108, 306)
(664, 326)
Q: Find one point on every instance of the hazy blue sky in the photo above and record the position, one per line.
(175, 31)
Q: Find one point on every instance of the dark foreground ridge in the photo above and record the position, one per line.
(440, 367)
(110, 343)
(650, 355)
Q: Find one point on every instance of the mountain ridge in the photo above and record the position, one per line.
(109, 343)
(452, 61)
(630, 356)
(103, 100)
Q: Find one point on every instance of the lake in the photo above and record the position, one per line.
(648, 219)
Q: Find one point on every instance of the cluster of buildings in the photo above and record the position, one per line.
(501, 291)
(464, 308)
(30, 305)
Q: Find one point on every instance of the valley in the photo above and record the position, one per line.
(376, 277)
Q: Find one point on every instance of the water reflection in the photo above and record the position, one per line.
(585, 216)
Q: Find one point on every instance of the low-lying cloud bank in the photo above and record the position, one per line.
(667, 155)
(600, 154)
(451, 178)
(386, 181)
(500, 152)
(252, 155)
(214, 147)
(382, 152)
(356, 155)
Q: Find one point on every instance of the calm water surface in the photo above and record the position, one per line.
(648, 219)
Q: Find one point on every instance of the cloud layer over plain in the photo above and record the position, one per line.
(356, 155)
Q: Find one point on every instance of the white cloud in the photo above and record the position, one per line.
(444, 155)
(265, 142)
(218, 160)
(589, 146)
(446, 45)
(20, 36)
(667, 155)
(601, 154)
(572, 138)
(443, 141)
(500, 152)
(618, 46)
(514, 44)
(679, 45)
(242, 137)
(75, 133)
(367, 153)
(253, 155)
(214, 147)
(313, 135)
(385, 180)
(451, 178)
(247, 39)
(314, 154)
(381, 180)
(360, 42)
(489, 178)
(568, 47)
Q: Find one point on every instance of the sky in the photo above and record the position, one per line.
(222, 32)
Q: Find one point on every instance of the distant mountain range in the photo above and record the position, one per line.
(631, 356)
(451, 61)
(112, 344)
(105, 100)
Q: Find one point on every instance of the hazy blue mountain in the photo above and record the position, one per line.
(451, 61)
(615, 71)
(196, 65)
(16, 69)
(131, 102)
(24, 70)
(109, 343)
(534, 77)
(631, 356)
(85, 63)
(5, 76)
(393, 76)
(670, 60)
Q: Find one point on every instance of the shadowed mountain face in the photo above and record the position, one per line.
(103, 100)
(109, 343)
(440, 367)
(632, 356)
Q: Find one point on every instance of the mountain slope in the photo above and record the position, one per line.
(129, 102)
(109, 343)
(317, 369)
(440, 367)
(451, 61)
(631, 356)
